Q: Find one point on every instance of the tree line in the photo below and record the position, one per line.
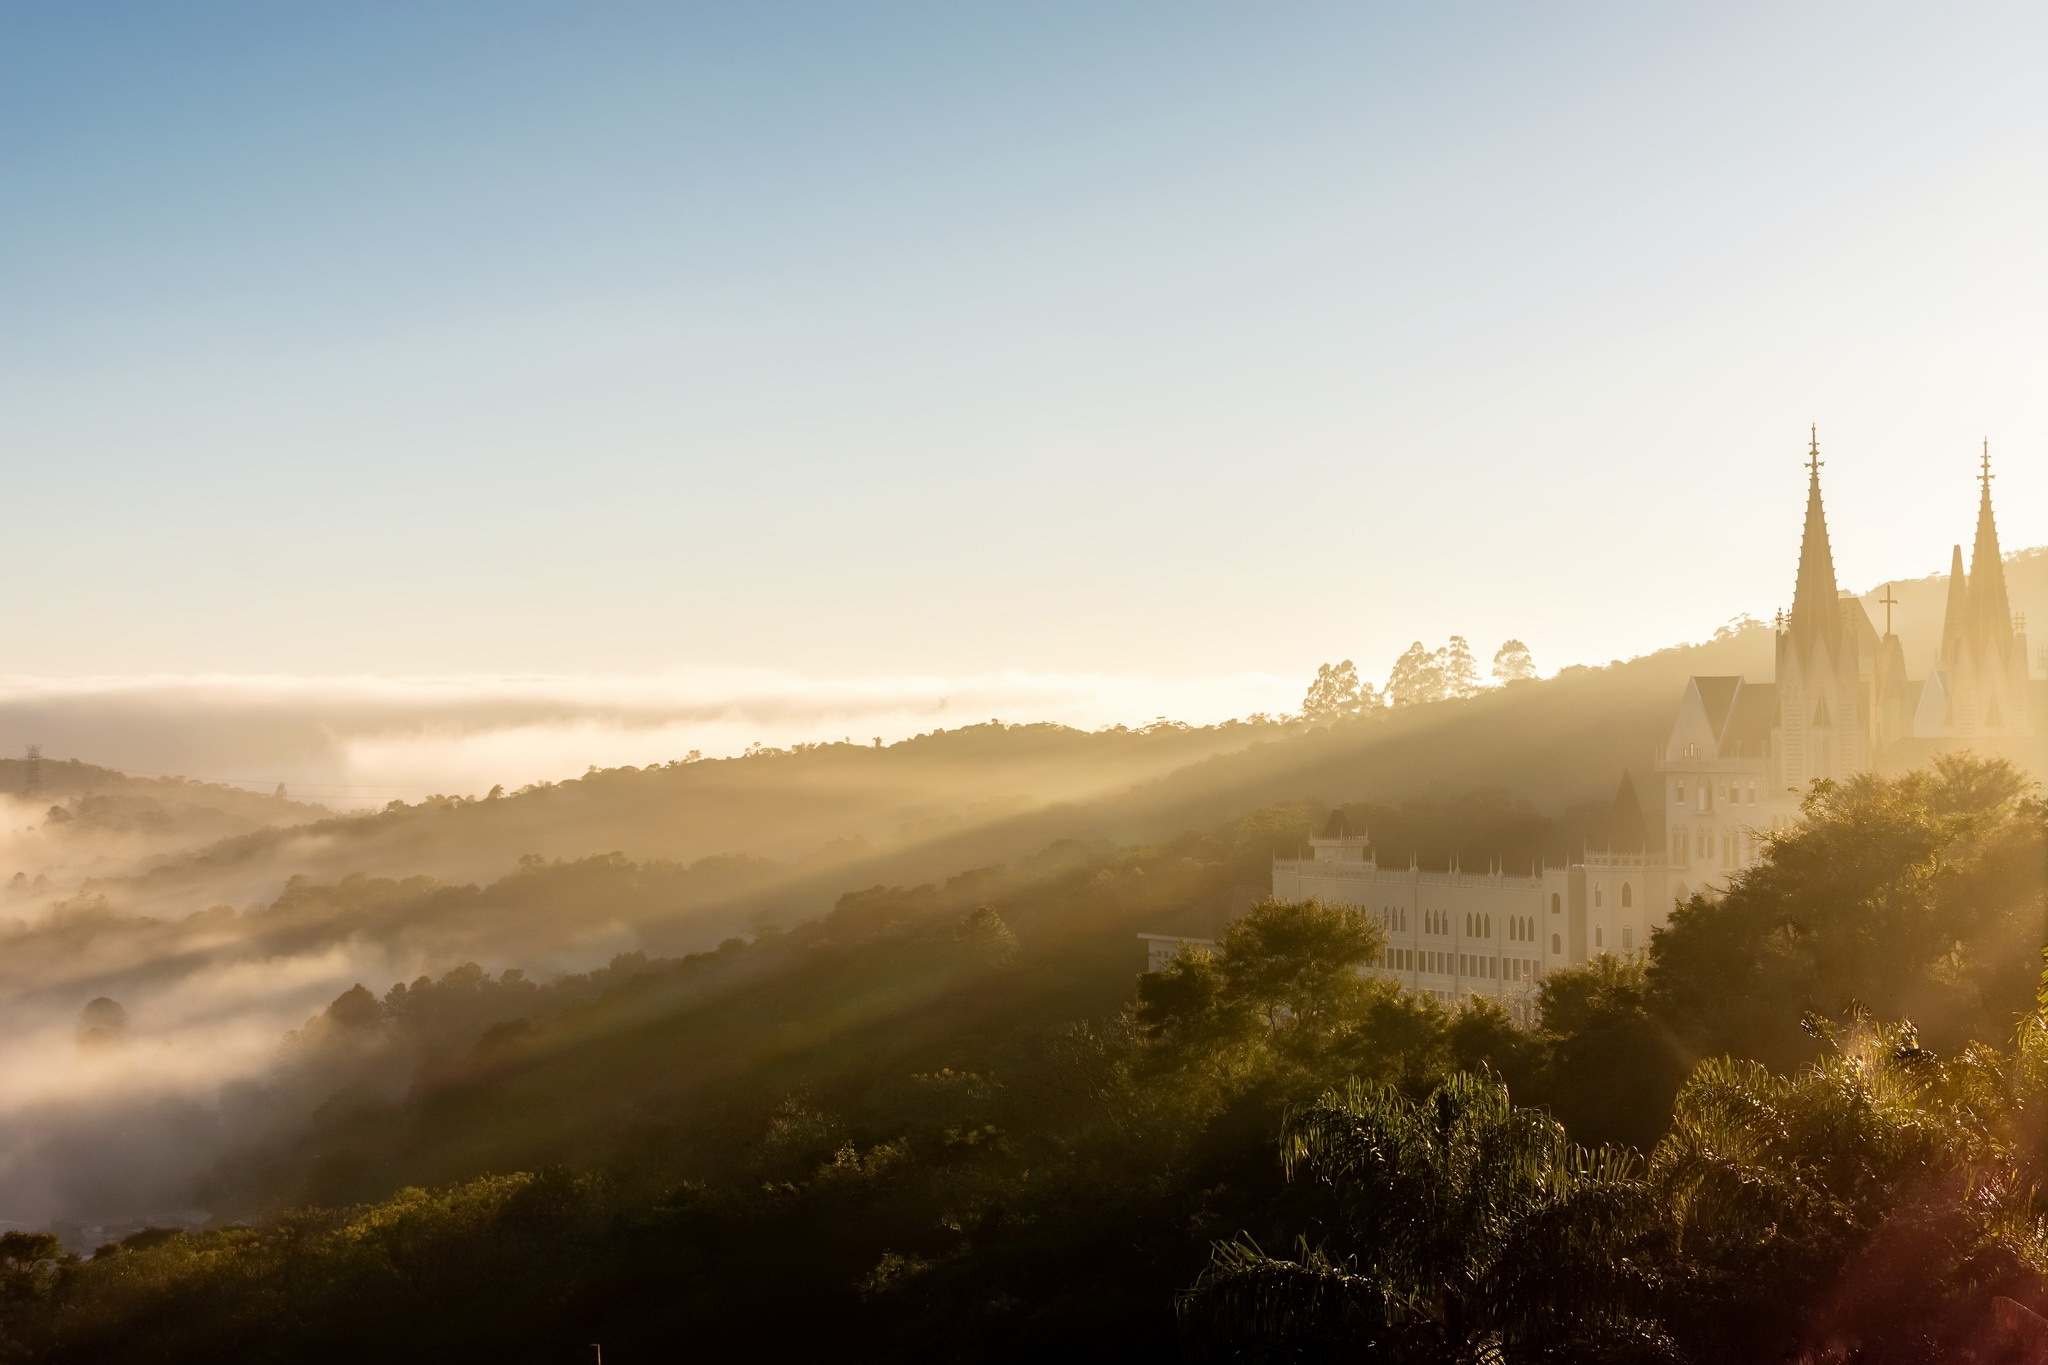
(1417, 677)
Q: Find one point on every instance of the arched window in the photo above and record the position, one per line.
(1599, 893)
(1556, 945)
(1681, 793)
(1556, 904)
(1599, 938)
(1628, 896)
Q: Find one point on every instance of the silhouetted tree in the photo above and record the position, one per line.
(1338, 692)
(1417, 677)
(1460, 671)
(1513, 663)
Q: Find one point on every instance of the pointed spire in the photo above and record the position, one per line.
(1990, 608)
(1627, 831)
(1955, 622)
(1815, 610)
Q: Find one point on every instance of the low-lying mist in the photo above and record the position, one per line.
(138, 1053)
(362, 741)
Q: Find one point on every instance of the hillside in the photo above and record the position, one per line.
(820, 819)
(920, 1114)
(213, 955)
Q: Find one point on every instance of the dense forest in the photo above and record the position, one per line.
(941, 1123)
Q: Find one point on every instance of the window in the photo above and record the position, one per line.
(1486, 926)
(1628, 895)
(1556, 904)
(1599, 893)
(1681, 793)
(1556, 946)
(1628, 938)
(1599, 937)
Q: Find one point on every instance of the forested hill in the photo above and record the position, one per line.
(945, 1122)
(820, 819)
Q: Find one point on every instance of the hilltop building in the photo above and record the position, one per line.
(1739, 758)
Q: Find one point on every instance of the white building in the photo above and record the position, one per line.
(1739, 759)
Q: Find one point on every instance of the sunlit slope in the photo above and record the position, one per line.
(816, 807)
(1557, 743)
(62, 820)
(820, 820)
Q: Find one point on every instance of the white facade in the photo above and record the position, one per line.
(1453, 934)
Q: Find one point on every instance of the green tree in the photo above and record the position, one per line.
(1610, 1064)
(1455, 1228)
(1913, 896)
(1286, 973)
(1863, 1207)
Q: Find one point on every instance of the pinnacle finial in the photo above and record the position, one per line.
(1813, 459)
(1984, 474)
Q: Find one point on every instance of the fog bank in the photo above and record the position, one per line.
(350, 741)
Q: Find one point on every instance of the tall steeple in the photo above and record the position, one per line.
(1955, 622)
(1816, 614)
(1990, 608)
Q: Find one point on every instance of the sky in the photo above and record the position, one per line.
(1174, 346)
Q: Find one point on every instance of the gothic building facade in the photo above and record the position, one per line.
(1739, 759)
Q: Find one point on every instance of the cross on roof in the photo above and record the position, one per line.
(1985, 474)
(1813, 459)
(1888, 602)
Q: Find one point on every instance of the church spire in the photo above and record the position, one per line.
(1990, 608)
(1816, 613)
(1955, 622)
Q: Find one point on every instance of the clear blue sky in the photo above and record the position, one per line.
(867, 338)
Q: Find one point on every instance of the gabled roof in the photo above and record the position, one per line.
(1717, 696)
(1749, 723)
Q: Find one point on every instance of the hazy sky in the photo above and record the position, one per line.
(864, 338)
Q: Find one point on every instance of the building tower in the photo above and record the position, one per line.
(1979, 686)
(1828, 664)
